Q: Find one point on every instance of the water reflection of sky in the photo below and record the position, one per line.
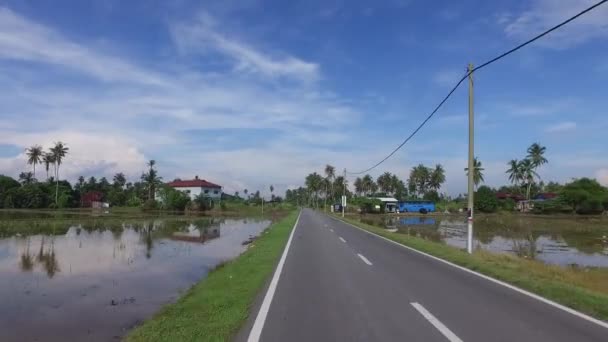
(541, 244)
(62, 287)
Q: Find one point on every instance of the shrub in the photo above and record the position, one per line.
(171, 199)
(134, 202)
(150, 205)
(202, 202)
(507, 204)
(223, 206)
(590, 207)
(485, 200)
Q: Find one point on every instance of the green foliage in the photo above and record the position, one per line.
(431, 195)
(485, 200)
(171, 199)
(203, 202)
(367, 205)
(507, 204)
(150, 204)
(554, 206)
(586, 196)
(134, 201)
(223, 206)
(6, 183)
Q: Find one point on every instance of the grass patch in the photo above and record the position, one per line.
(215, 308)
(583, 289)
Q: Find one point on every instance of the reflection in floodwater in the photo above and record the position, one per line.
(561, 241)
(93, 281)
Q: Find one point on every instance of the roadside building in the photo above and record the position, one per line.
(196, 186)
(390, 204)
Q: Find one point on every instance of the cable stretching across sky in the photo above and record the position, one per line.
(556, 27)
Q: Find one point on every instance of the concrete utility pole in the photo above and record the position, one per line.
(344, 192)
(471, 189)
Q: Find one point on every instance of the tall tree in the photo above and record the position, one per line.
(528, 173)
(151, 179)
(385, 183)
(59, 151)
(477, 172)
(358, 186)
(514, 172)
(437, 177)
(536, 153)
(314, 182)
(245, 192)
(330, 175)
(271, 192)
(34, 156)
(119, 180)
(369, 186)
(420, 179)
(48, 159)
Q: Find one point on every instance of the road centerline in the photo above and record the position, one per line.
(364, 259)
(436, 323)
(342, 239)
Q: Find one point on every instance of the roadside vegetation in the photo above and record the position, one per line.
(215, 308)
(582, 196)
(583, 289)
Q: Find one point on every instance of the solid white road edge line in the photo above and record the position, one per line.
(436, 323)
(496, 281)
(258, 325)
(364, 259)
(341, 239)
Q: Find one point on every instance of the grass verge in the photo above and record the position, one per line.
(583, 289)
(216, 307)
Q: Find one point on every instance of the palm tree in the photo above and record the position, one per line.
(515, 176)
(151, 178)
(437, 177)
(245, 192)
(314, 183)
(271, 192)
(528, 173)
(48, 159)
(358, 186)
(119, 180)
(477, 172)
(330, 175)
(385, 183)
(59, 151)
(536, 153)
(26, 178)
(369, 186)
(34, 156)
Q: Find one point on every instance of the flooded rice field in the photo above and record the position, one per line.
(561, 241)
(95, 281)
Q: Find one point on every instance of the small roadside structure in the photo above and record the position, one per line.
(390, 204)
(196, 186)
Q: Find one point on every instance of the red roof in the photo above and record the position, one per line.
(194, 183)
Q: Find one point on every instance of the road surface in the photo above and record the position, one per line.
(339, 283)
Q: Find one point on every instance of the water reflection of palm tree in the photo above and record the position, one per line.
(27, 260)
(525, 247)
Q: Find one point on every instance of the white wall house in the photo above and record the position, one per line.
(197, 186)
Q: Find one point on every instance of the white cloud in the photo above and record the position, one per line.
(561, 127)
(543, 14)
(22, 39)
(202, 36)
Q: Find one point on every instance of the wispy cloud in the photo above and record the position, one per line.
(543, 14)
(561, 127)
(202, 36)
(448, 78)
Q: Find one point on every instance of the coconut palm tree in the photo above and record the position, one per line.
(477, 172)
(26, 178)
(358, 186)
(34, 156)
(514, 172)
(528, 173)
(437, 177)
(330, 175)
(48, 159)
(59, 151)
(536, 153)
(314, 183)
(369, 186)
(151, 179)
(119, 180)
(245, 192)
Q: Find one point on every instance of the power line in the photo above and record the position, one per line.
(505, 54)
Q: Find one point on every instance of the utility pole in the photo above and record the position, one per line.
(343, 192)
(471, 163)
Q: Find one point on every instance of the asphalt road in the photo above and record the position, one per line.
(339, 283)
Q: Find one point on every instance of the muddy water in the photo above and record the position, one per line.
(561, 241)
(94, 284)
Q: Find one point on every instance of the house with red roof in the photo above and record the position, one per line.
(197, 186)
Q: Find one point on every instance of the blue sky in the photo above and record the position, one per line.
(250, 93)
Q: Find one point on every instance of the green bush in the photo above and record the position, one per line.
(134, 202)
(485, 200)
(150, 205)
(590, 207)
(223, 206)
(507, 204)
(171, 199)
(203, 202)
